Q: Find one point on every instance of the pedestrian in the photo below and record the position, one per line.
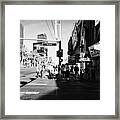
(40, 68)
(67, 72)
(31, 61)
(82, 69)
(36, 64)
(63, 70)
(37, 70)
(20, 56)
(71, 70)
(43, 72)
(76, 69)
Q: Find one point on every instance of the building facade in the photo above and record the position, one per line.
(85, 35)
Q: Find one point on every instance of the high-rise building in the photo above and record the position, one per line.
(21, 35)
(21, 41)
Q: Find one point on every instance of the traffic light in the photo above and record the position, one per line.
(60, 53)
(61, 60)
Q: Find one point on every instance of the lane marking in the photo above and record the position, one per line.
(29, 93)
(25, 80)
(36, 84)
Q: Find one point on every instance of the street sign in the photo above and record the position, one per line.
(49, 44)
(84, 60)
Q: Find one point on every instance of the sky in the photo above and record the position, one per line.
(34, 27)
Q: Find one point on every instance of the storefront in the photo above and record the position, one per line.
(95, 61)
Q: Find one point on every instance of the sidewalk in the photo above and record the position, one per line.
(37, 88)
(73, 82)
(27, 74)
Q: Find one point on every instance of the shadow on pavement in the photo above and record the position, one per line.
(74, 90)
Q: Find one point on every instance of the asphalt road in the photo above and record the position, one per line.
(51, 89)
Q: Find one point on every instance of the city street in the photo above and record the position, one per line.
(27, 75)
(47, 89)
(60, 60)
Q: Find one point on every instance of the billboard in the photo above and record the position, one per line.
(95, 50)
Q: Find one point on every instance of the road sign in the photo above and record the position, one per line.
(71, 60)
(49, 44)
(95, 50)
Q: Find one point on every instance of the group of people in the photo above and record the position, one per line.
(64, 70)
(29, 61)
(67, 70)
(46, 70)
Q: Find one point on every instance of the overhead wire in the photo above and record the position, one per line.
(49, 29)
(61, 29)
(53, 27)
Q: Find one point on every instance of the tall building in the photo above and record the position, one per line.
(74, 43)
(82, 47)
(21, 42)
(89, 26)
(84, 35)
(21, 35)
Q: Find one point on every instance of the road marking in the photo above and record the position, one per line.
(37, 84)
(29, 93)
(27, 80)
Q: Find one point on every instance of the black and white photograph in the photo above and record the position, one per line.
(59, 59)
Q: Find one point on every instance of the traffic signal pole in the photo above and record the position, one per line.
(59, 50)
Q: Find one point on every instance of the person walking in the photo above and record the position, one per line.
(63, 70)
(67, 72)
(76, 69)
(37, 71)
(71, 70)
